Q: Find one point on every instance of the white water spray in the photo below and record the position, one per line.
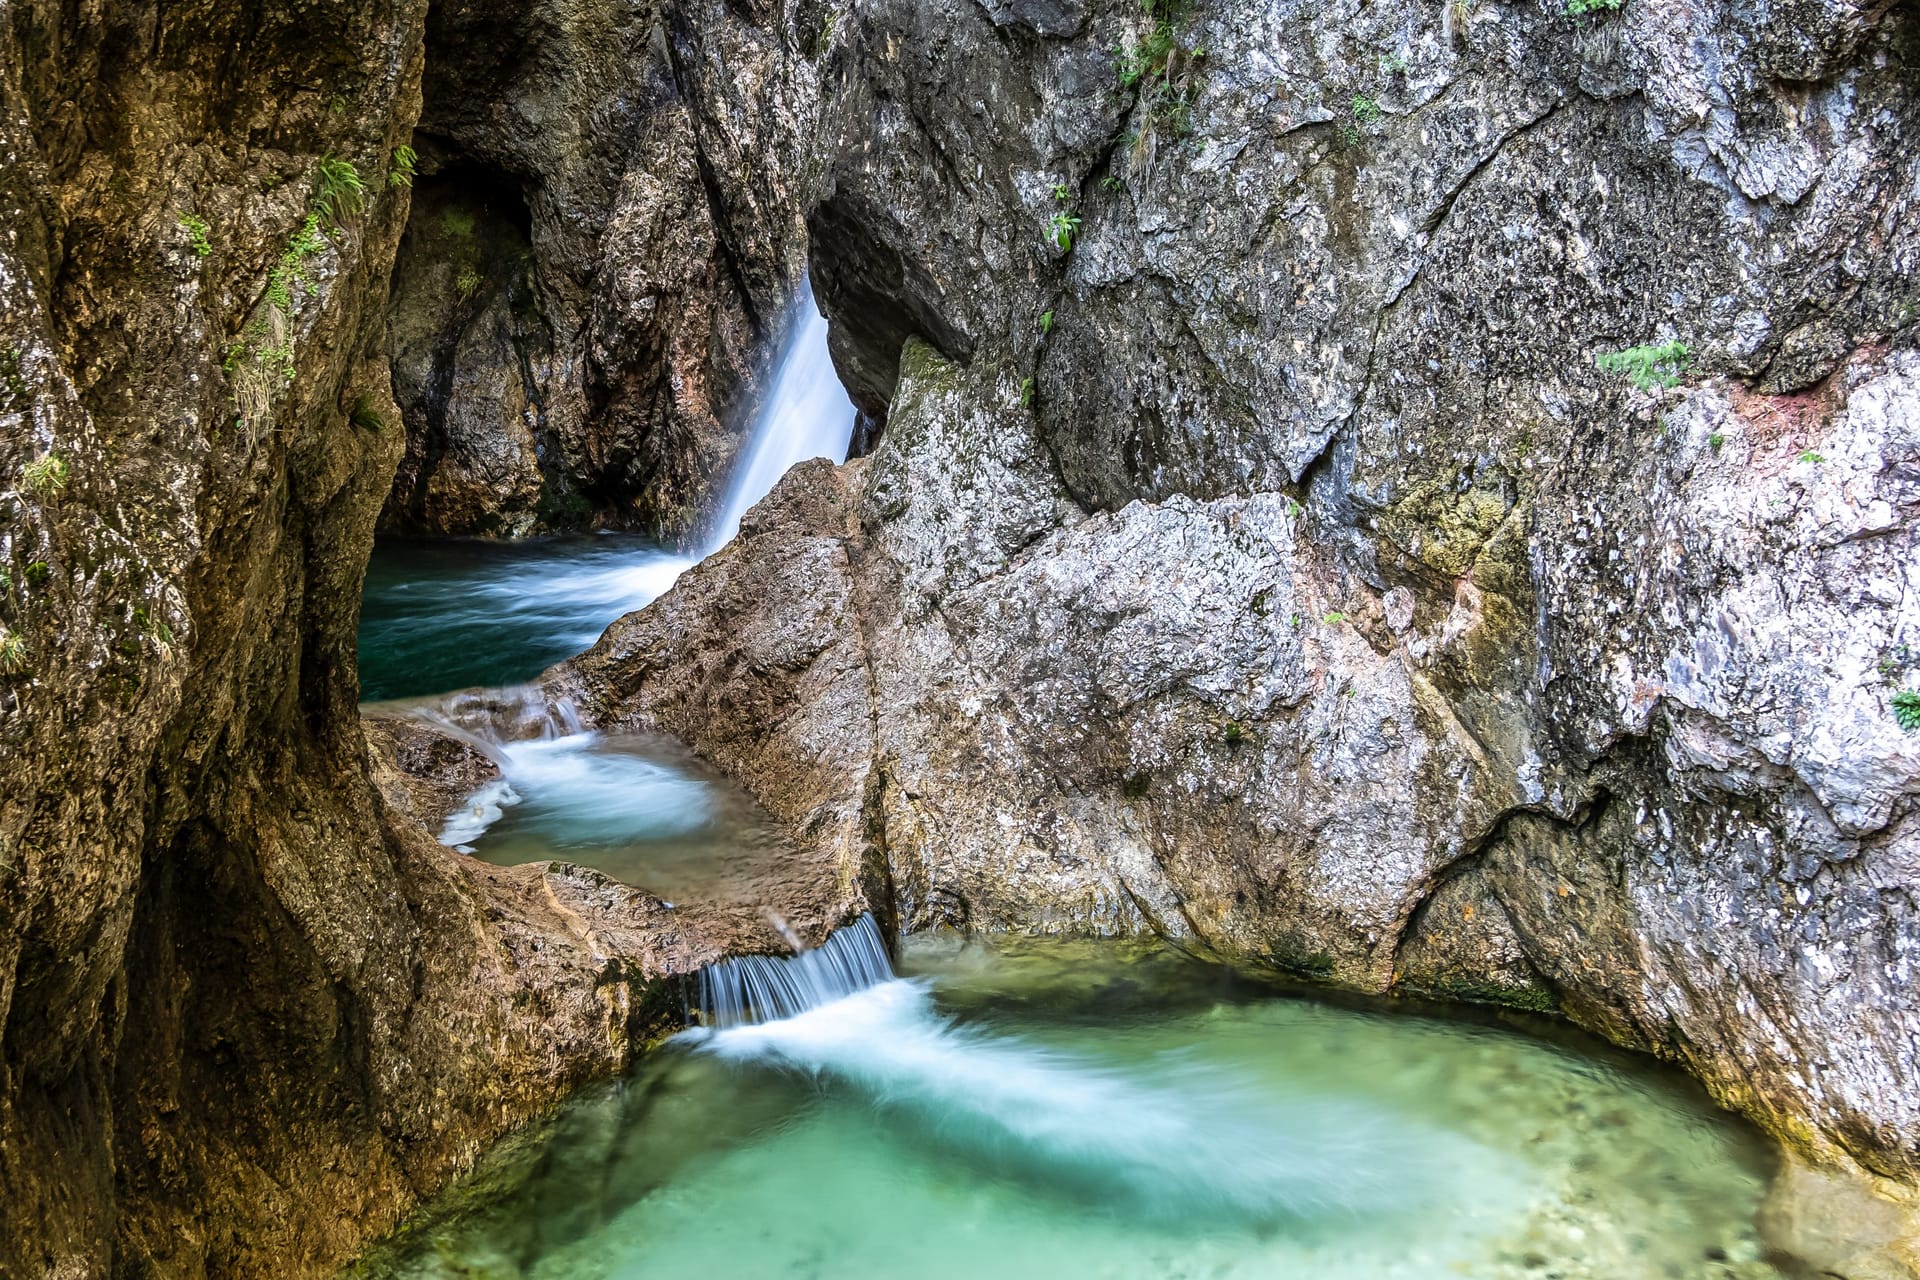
(1160, 1138)
(806, 414)
(595, 795)
(578, 788)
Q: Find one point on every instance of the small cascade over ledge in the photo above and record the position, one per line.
(756, 989)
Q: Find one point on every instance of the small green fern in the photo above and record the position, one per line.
(339, 192)
(13, 652)
(46, 477)
(1650, 367)
(406, 162)
(198, 234)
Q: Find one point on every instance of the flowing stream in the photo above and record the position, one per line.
(1053, 1111)
(444, 614)
(1032, 1110)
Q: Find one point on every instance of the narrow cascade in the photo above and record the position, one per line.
(806, 415)
(755, 989)
(449, 614)
(1166, 1139)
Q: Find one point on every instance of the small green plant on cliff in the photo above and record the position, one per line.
(1062, 229)
(13, 378)
(1046, 323)
(339, 192)
(1809, 456)
(290, 269)
(1335, 618)
(1650, 367)
(1715, 441)
(458, 224)
(1026, 393)
(1062, 192)
(1394, 63)
(468, 283)
(1234, 733)
(1148, 56)
(13, 652)
(400, 173)
(1162, 71)
(366, 414)
(1906, 710)
(1366, 110)
(198, 233)
(261, 360)
(1584, 8)
(154, 629)
(1895, 661)
(45, 477)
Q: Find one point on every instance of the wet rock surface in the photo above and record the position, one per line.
(250, 1012)
(1252, 554)
(600, 259)
(1265, 562)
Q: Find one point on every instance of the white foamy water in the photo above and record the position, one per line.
(578, 791)
(806, 414)
(438, 616)
(448, 615)
(1170, 1138)
(1079, 1112)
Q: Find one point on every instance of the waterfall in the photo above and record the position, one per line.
(755, 989)
(806, 414)
(1164, 1137)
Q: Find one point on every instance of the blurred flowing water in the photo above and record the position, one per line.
(1062, 1110)
(451, 614)
(443, 615)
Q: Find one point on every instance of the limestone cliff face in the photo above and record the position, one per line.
(602, 254)
(249, 1010)
(1256, 555)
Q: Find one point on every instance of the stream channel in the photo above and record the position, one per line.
(1011, 1108)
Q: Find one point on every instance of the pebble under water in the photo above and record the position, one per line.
(1065, 1110)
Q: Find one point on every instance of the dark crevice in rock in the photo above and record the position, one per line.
(875, 298)
(469, 342)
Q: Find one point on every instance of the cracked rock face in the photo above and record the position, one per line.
(605, 240)
(1273, 568)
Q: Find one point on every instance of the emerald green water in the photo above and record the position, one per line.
(441, 615)
(1061, 1110)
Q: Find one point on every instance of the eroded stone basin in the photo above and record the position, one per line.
(1098, 1110)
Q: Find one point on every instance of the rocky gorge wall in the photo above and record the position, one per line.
(599, 262)
(250, 1011)
(1253, 554)
(1257, 556)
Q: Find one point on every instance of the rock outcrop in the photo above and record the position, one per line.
(1256, 554)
